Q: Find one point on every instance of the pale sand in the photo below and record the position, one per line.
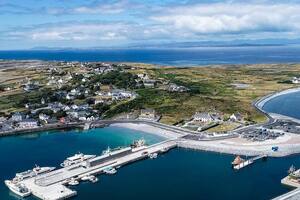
(148, 129)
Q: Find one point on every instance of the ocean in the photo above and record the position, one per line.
(178, 57)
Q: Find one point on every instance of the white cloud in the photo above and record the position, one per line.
(231, 18)
(78, 31)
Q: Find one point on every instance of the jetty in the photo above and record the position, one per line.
(53, 185)
(245, 163)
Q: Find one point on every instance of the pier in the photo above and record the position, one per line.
(249, 162)
(52, 185)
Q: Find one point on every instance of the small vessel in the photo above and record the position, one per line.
(37, 170)
(18, 188)
(164, 150)
(153, 155)
(238, 160)
(85, 178)
(110, 170)
(138, 145)
(73, 182)
(292, 169)
(93, 179)
(77, 158)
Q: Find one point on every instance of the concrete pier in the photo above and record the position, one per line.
(52, 185)
(249, 162)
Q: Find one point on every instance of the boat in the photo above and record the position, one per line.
(73, 182)
(85, 178)
(77, 158)
(164, 150)
(37, 170)
(153, 155)
(93, 179)
(110, 170)
(292, 169)
(17, 188)
(138, 145)
(238, 160)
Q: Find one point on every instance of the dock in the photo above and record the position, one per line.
(248, 162)
(52, 185)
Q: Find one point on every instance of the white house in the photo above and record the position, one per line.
(28, 123)
(296, 80)
(203, 117)
(236, 117)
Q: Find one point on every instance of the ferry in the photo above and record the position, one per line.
(77, 158)
(17, 188)
(37, 170)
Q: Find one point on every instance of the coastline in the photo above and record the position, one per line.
(259, 104)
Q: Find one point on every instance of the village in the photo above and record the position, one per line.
(83, 92)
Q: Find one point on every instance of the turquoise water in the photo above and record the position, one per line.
(287, 104)
(179, 174)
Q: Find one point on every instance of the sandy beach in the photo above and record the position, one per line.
(149, 129)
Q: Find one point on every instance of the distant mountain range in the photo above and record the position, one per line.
(189, 44)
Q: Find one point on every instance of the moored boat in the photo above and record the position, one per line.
(77, 158)
(110, 170)
(17, 188)
(153, 155)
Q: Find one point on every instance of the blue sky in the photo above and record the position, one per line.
(124, 23)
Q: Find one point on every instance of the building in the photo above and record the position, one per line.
(203, 117)
(17, 117)
(176, 88)
(147, 114)
(236, 117)
(149, 83)
(28, 123)
(296, 80)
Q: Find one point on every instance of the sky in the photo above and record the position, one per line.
(26, 24)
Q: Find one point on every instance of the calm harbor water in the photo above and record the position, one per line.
(179, 174)
(177, 57)
(287, 104)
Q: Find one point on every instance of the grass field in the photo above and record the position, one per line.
(211, 89)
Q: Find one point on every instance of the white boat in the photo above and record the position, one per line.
(77, 158)
(18, 188)
(93, 179)
(73, 182)
(110, 170)
(153, 155)
(37, 170)
(85, 178)
(138, 145)
(164, 150)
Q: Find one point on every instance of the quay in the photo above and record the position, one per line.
(52, 185)
(292, 180)
(248, 162)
